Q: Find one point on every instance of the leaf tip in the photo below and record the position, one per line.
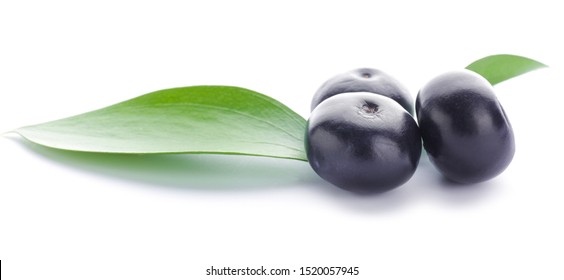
(500, 67)
(6, 133)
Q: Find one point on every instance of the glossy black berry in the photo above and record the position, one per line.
(363, 142)
(365, 80)
(464, 128)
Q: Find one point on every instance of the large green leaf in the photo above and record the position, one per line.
(501, 67)
(199, 119)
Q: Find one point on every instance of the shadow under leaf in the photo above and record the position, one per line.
(188, 171)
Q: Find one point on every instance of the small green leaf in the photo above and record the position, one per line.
(199, 119)
(501, 67)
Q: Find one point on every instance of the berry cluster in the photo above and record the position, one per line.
(362, 136)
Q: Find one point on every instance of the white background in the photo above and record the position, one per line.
(74, 216)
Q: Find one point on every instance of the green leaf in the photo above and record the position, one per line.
(501, 67)
(199, 119)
